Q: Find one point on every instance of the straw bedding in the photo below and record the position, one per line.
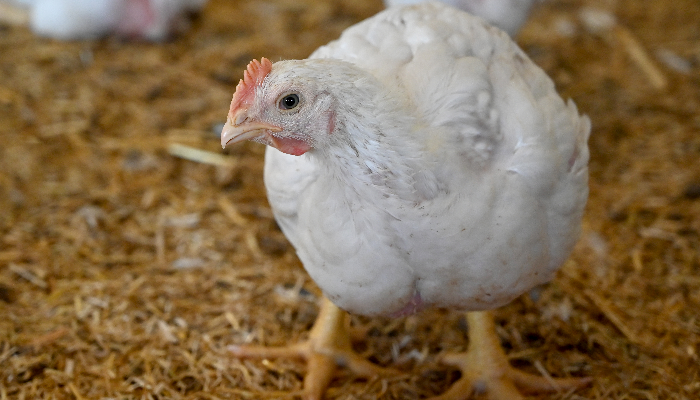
(133, 250)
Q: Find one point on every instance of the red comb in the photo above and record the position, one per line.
(252, 77)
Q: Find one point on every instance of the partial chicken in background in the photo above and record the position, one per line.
(508, 15)
(421, 160)
(153, 20)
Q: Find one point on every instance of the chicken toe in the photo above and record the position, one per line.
(485, 368)
(327, 348)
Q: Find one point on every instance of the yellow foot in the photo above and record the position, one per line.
(485, 368)
(327, 348)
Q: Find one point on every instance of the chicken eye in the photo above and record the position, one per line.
(289, 102)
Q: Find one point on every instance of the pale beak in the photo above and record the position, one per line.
(239, 128)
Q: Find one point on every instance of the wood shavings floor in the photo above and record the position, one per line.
(126, 268)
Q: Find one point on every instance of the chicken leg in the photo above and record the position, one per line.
(327, 348)
(485, 368)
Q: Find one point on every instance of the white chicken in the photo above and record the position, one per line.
(153, 20)
(508, 15)
(421, 160)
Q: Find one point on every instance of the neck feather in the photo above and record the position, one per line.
(374, 144)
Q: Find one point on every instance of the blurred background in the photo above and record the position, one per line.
(133, 250)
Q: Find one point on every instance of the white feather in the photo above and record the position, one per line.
(508, 15)
(459, 175)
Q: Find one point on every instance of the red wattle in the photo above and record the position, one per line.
(295, 147)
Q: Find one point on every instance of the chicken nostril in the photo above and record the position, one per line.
(239, 118)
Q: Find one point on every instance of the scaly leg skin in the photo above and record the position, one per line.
(327, 348)
(485, 368)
